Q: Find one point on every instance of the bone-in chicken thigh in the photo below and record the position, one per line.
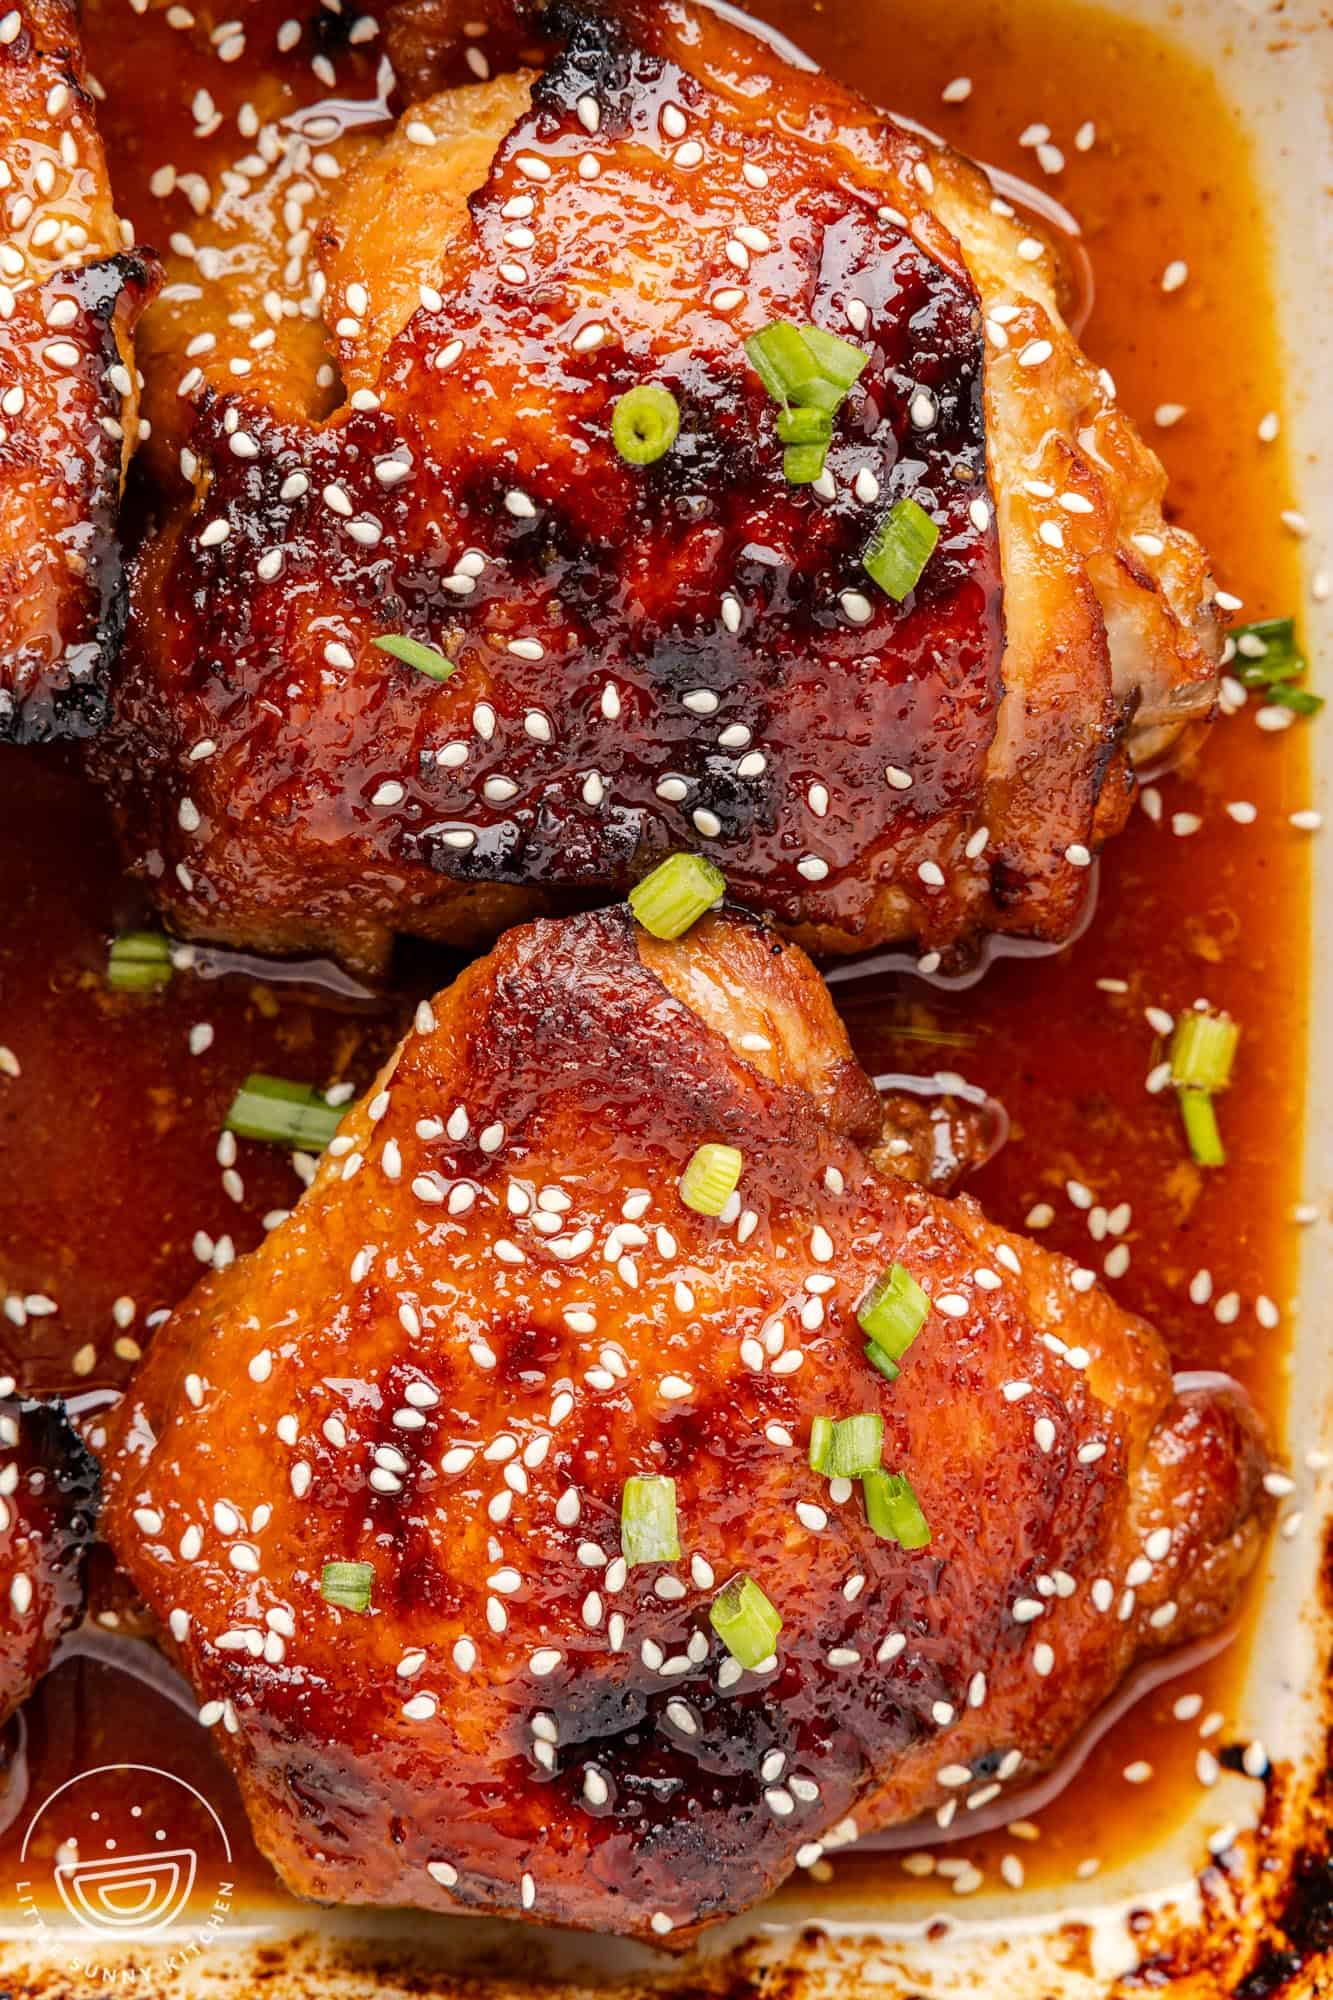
(69, 297)
(48, 1505)
(641, 656)
(492, 1310)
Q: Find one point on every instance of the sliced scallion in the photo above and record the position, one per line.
(809, 372)
(1201, 1131)
(711, 1178)
(805, 426)
(837, 360)
(648, 1532)
(1203, 1050)
(645, 422)
(416, 653)
(781, 358)
(139, 962)
(802, 464)
(893, 1510)
(849, 1446)
(900, 548)
(893, 1312)
(347, 1584)
(1269, 660)
(745, 1621)
(885, 1363)
(283, 1113)
(676, 894)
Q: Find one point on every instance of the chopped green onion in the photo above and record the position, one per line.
(809, 372)
(805, 426)
(645, 422)
(1200, 1122)
(648, 1520)
(676, 894)
(782, 359)
(347, 1585)
(286, 1114)
(893, 1312)
(885, 1363)
(818, 394)
(745, 1621)
(1203, 1049)
(1268, 658)
(838, 360)
(848, 1446)
(803, 463)
(415, 653)
(900, 548)
(710, 1179)
(139, 962)
(893, 1510)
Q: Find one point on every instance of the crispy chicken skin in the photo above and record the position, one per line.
(687, 653)
(48, 1504)
(490, 1308)
(69, 298)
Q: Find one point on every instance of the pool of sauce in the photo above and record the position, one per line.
(111, 1194)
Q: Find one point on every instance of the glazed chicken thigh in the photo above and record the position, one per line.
(493, 1309)
(624, 657)
(48, 1506)
(69, 298)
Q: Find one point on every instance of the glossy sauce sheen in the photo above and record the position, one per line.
(107, 1167)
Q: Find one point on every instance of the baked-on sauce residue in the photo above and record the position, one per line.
(112, 1194)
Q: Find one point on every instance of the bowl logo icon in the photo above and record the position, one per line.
(127, 1853)
(141, 1893)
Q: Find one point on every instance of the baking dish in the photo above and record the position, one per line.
(1075, 1936)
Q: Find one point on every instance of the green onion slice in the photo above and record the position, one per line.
(644, 423)
(676, 894)
(711, 1178)
(848, 1446)
(415, 653)
(347, 1585)
(802, 464)
(1200, 1122)
(885, 1363)
(838, 360)
(139, 962)
(893, 1510)
(805, 426)
(1203, 1049)
(781, 358)
(900, 548)
(745, 1621)
(648, 1532)
(893, 1312)
(1269, 659)
(284, 1113)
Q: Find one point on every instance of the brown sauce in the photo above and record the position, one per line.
(109, 1181)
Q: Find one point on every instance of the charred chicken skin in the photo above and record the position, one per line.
(492, 1309)
(69, 298)
(48, 1505)
(688, 651)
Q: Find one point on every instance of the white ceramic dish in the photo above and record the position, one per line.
(1078, 1939)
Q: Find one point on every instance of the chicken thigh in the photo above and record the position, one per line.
(382, 1480)
(613, 658)
(48, 1505)
(69, 297)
